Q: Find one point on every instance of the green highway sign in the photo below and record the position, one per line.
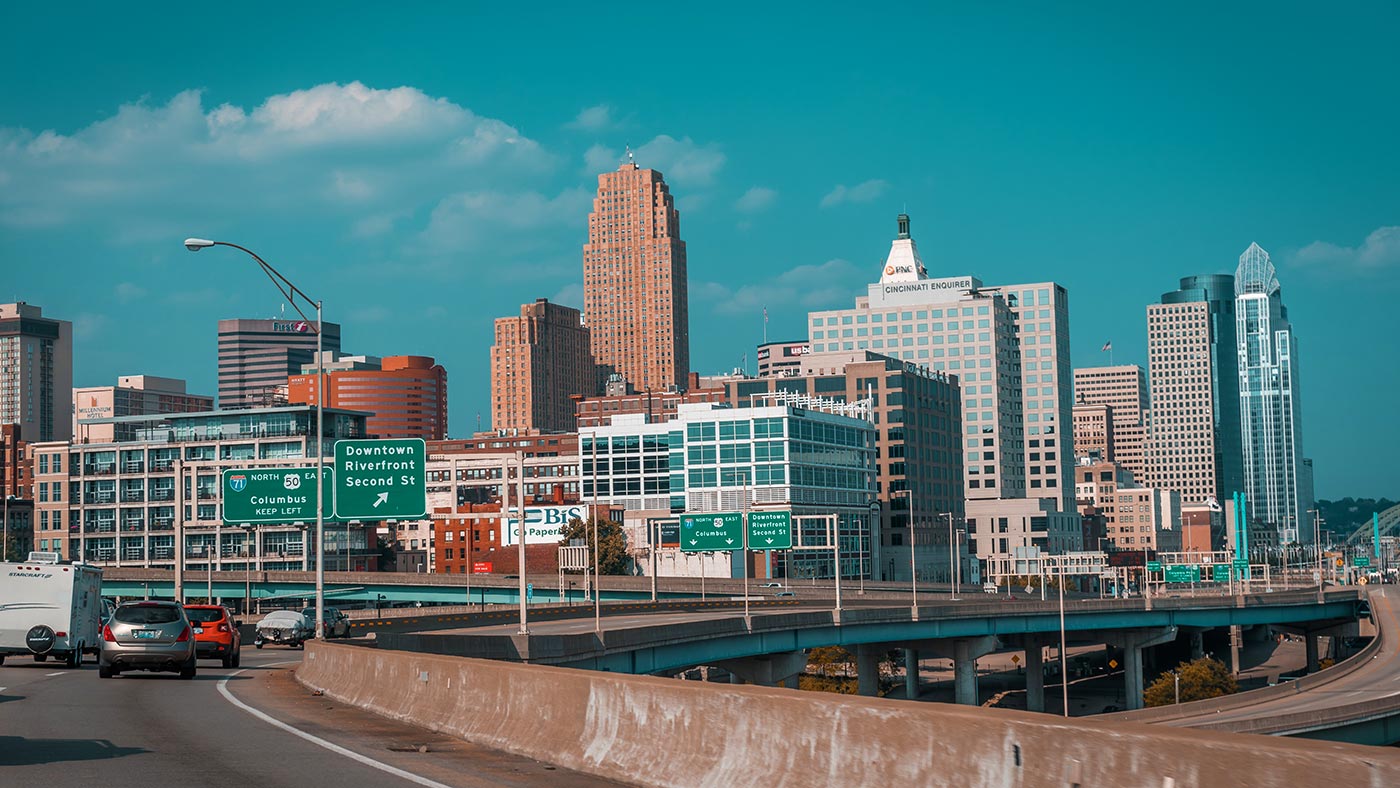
(381, 479)
(271, 496)
(1241, 564)
(1154, 566)
(1361, 560)
(723, 531)
(1182, 573)
(1222, 573)
(770, 530)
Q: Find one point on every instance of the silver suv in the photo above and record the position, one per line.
(147, 636)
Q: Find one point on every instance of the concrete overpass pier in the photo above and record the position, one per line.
(1133, 641)
(767, 670)
(911, 673)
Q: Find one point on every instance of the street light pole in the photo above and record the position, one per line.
(913, 567)
(290, 292)
(1064, 676)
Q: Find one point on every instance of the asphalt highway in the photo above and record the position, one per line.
(1379, 680)
(248, 728)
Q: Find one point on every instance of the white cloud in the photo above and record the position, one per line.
(126, 292)
(600, 159)
(569, 295)
(757, 198)
(682, 160)
(463, 221)
(349, 150)
(861, 192)
(88, 325)
(821, 286)
(596, 118)
(1380, 250)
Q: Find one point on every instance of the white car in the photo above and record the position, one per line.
(287, 627)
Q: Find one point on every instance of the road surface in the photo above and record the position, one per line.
(61, 727)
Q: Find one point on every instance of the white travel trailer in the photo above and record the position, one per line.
(50, 609)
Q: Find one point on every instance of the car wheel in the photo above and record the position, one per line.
(238, 658)
(187, 672)
(257, 644)
(104, 671)
(227, 661)
(41, 657)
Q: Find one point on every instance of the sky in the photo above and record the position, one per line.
(425, 171)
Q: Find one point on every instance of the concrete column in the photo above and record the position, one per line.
(1133, 642)
(1198, 645)
(911, 673)
(791, 681)
(1035, 676)
(964, 673)
(734, 679)
(867, 671)
(767, 670)
(1310, 644)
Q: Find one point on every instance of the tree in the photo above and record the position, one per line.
(1200, 679)
(388, 553)
(612, 558)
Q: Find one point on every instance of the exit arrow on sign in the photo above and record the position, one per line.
(383, 498)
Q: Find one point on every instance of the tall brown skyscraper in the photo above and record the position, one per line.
(540, 359)
(634, 281)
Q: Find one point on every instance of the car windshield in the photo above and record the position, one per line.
(204, 615)
(147, 614)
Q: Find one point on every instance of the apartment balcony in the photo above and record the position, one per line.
(161, 494)
(100, 527)
(101, 496)
(162, 466)
(133, 525)
(106, 469)
(162, 524)
(133, 467)
(207, 495)
(133, 496)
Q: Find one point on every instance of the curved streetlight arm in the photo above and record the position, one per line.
(282, 283)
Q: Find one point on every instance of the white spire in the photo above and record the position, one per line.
(903, 263)
(1255, 273)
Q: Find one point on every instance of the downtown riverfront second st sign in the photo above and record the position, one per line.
(770, 530)
(381, 479)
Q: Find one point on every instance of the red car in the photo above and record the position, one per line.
(215, 633)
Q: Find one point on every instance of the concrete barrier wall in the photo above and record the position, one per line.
(665, 732)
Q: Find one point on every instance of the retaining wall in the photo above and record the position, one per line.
(664, 732)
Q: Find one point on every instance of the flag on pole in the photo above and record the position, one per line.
(1107, 346)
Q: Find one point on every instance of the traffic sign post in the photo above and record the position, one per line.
(770, 530)
(705, 532)
(272, 496)
(381, 479)
(1361, 560)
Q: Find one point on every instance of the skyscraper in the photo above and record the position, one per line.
(36, 373)
(1194, 438)
(539, 361)
(1124, 390)
(635, 300)
(257, 356)
(1269, 412)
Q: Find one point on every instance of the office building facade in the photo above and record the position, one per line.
(1136, 517)
(781, 358)
(256, 357)
(405, 395)
(635, 292)
(812, 457)
(36, 372)
(1194, 436)
(134, 395)
(1270, 416)
(1093, 432)
(540, 362)
(117, 503)
(1124, 389)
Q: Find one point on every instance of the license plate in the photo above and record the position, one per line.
(145, 634)
(198, 630)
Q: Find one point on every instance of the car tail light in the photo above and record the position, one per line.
(107, 634)
(184, 635)
(60, 634)
(224, 628)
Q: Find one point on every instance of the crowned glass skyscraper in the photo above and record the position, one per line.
(1269, 414)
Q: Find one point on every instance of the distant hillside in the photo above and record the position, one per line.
(1348, 514)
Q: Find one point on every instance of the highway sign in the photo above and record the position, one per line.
(381, 479)
(1182, 573)
(1361, 560)
(723, 531)
(770, 530)
(1015, 659)
(1240, 564)
(1112, 664)
(274, 495)
(670, 533)
(1222, 573)
(1154, 566)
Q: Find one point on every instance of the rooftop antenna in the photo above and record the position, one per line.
(631, 157)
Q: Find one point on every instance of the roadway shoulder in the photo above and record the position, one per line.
(447, 760)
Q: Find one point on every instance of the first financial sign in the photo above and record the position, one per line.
(381, 479)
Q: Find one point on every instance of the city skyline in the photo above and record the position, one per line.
(1113, 187)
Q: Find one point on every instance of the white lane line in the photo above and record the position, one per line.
(2, 689)
(335, 748)
(60, 673)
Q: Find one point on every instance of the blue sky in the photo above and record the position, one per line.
(426, 171)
